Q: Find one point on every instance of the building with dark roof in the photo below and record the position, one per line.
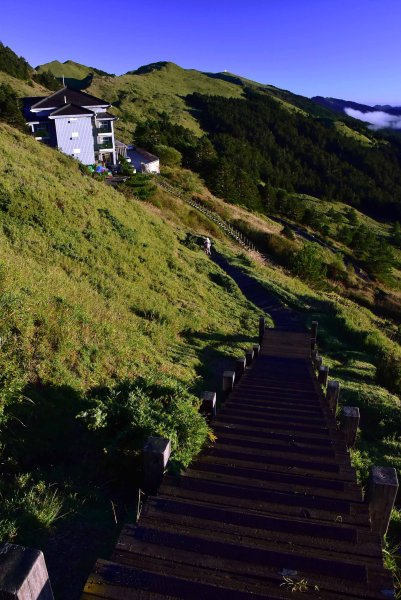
(76, 123)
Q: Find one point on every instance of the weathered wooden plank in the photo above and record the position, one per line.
(276, 494)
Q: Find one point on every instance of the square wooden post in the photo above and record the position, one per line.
(256, 350)
(313, 329)
(228, 382)
(261, 329)
(23, 574)
(249, 357)
(208, 406)
(318, 362)
(156, 453)
(323, 375)
(239, 368)
(333, 394)
(381, 493)
(350, 422)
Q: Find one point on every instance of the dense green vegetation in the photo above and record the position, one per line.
(12, 64)
(10, 107)
(47, 79)
(298, 153)
(109, 321)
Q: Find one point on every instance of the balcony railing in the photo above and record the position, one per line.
(105, 143)
(104, 128)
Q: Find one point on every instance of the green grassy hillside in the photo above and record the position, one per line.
(23, 88)
(144, 94)
(112, 319)
(98, 295)
(162, 87)
(68, 69)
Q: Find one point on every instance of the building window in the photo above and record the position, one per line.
(77, 150)
(75, 134)
(40, 130)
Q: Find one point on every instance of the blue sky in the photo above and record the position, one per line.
(346, 49)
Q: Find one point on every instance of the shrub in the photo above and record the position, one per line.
(309, 265)
(48, 80)
(10, 111)
(158, 405)
(139, 184)
(168, 156)
(388, 371)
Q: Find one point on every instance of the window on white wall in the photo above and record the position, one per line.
(77, 150)
(75, 134)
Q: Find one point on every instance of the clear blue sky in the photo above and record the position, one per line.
(348, 49)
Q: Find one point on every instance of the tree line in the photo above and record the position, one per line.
(254, 146)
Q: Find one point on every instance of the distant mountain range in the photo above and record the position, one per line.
(379, 116)
(339, 105)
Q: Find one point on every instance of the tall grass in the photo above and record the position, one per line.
(97, 289)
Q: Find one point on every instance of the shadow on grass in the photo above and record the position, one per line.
(46, 445)
(214, 355)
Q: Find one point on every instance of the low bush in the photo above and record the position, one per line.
(159, 405)
(308, 264)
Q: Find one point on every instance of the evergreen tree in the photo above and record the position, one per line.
(12, 64)
(10, 110)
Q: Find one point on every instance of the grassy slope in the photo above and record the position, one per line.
(23, 88)
(138, 96)
(142, 96)
(84, 297)
(69, 69)
(95, 289)
(77, 276)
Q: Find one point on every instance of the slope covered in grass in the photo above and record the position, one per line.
(146, 93)
(102, 306)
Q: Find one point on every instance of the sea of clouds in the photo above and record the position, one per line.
(377, 119)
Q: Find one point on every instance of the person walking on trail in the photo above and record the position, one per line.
(207, 246)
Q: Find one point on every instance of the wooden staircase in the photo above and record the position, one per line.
(271, 510)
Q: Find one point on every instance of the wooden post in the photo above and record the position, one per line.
(323, 375)
(350, 424)
(318, 361)
(381, 493)
(313, 329)
(313, 344)
(249, 357)
(228, 382)
(314, 355)
(208, 406)
(256, 350)
(23, 574)
(239, 368)
(156, 453)
(261, 329)
(333, 394)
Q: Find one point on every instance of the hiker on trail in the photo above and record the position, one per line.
(207, 244)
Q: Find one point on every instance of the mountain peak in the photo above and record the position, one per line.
(156, 66)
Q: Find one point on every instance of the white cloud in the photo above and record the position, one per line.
(377, 119)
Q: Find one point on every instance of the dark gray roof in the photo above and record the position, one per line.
(145, 154)
(68, 96)
(105, 115)
(70, 110)
(26, 106)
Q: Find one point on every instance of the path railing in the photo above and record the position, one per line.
(225, 226)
